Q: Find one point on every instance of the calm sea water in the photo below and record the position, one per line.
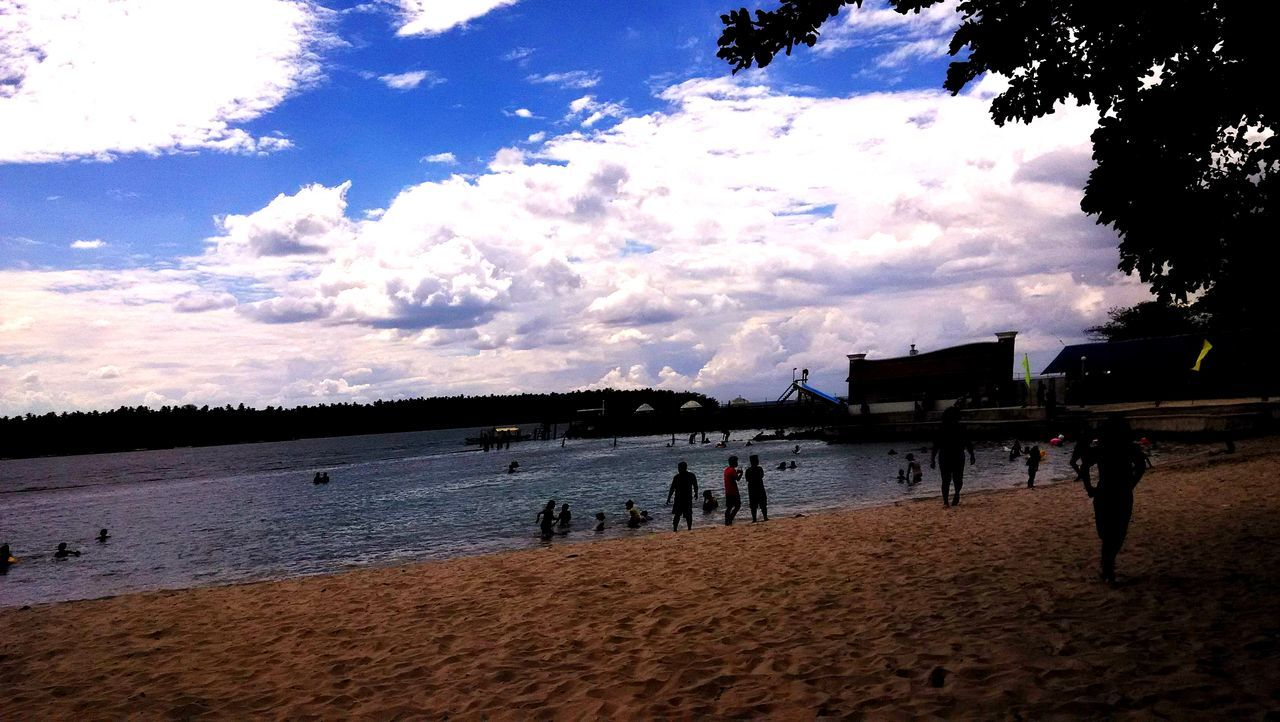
(217, 515)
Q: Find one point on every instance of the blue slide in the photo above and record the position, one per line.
(806, 388)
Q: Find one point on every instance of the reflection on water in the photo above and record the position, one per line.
(216, 515)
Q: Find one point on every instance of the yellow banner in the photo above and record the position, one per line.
(1204, 351)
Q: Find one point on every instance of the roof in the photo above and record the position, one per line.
(690, 404)
(1138, 354)
(643, 409)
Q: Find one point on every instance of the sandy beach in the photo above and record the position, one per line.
(989, 610)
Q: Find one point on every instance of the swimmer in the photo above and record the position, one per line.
(63, 552)
(633, 515)
(513, 467)
(546, 519)
(317, 479)
(6, 558)
(792, 466)
(103, 536)
(902, 476)
(782, 466)
(709, 502)
(599, 521)
(644, 516)
(562, 521)
(796, 450)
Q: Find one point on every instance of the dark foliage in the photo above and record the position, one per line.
(128, 428)
(1148, 319)
(1186, 165)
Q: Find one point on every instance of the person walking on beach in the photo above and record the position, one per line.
(1033, 465)
(950, 446)
(1120, 465)
(547, 519)
(756, 498)
(684, 489)
(732, 498)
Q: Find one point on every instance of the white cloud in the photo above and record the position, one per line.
(739, 233)
(88, 245)
(105, 372)
(410, 80)
(899, 38)
(577, 79)
(522, 113)
(588, 111)
(102, 78)
(519, 54)
(445, 158)
(536, 137)
(432, 17)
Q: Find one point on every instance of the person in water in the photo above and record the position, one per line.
(63, 552)
(6, 558)
(680, 495)
(902, 476)
(103, 536)
(547, 519)
(1080, 456)
(644, 516)
(513, 467)
(599, 521)
(1121, 465)
(1015, 451)
(756, 496)
(562, 521)
(732, 497)
(796, 450)
(1033, 465)
(633, 515)
(949, 448)
(782, 466)
(709, 502)
(914, 472)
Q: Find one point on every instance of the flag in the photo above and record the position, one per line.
(1204, 351)
(1026, 369)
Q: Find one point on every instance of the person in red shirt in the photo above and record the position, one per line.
(732, 499)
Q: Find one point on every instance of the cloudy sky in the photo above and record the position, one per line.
(289, 202)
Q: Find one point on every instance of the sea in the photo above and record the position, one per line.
(189, 517)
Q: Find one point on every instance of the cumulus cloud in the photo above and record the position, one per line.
(106, 372)
(900, 39)
(576, 79)
(103, 78)
(522, 113)
(587, 111)
(431, 17)
(88, 245)
(738, 233)
(410, 80)
(445, 158)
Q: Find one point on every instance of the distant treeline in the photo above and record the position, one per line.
(128, 428)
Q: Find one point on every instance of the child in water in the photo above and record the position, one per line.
(547, 519)
(633, 515)
(562, 521)
(902, 476)
(913, 469)
(63, 552)
(709, 502)
(599, 521)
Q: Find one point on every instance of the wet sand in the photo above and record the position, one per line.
(990, 610)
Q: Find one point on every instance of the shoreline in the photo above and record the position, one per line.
(582, 536)
(843, 612)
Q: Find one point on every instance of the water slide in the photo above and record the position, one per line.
(807, 389)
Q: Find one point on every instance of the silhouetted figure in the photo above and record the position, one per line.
(914, 472)
(902, 476)
(103, 536)
(756, 497)
(709, 502)
(893, 452)
(644, 516)
(1033, 465)
(1120, 467)
(6, 558)
(1081, 455)
(732, 499)
(547, 519)
(562, 521)
(599, 521)
(513, 467)
(680, 495)
(782, 466)
(693, 438)
(796, 450)
(949, 448)
(792, 465)
(1015, 451)
(63, 552)
(633, 515)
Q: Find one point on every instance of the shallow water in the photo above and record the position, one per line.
(216, 515)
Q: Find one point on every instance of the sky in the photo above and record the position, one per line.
(284, 202)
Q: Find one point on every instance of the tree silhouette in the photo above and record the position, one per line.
(1185, 150)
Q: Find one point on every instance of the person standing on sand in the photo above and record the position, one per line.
(732, 497)
(684, 488)
(1033, 465)
(950, 445)
(756, 498)
(1121, 465)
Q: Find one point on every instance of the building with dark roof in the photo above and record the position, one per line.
(980, 374)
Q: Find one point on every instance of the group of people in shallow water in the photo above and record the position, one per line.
(7, 558)
(682, 496)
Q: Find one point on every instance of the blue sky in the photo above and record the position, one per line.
(275, 201)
